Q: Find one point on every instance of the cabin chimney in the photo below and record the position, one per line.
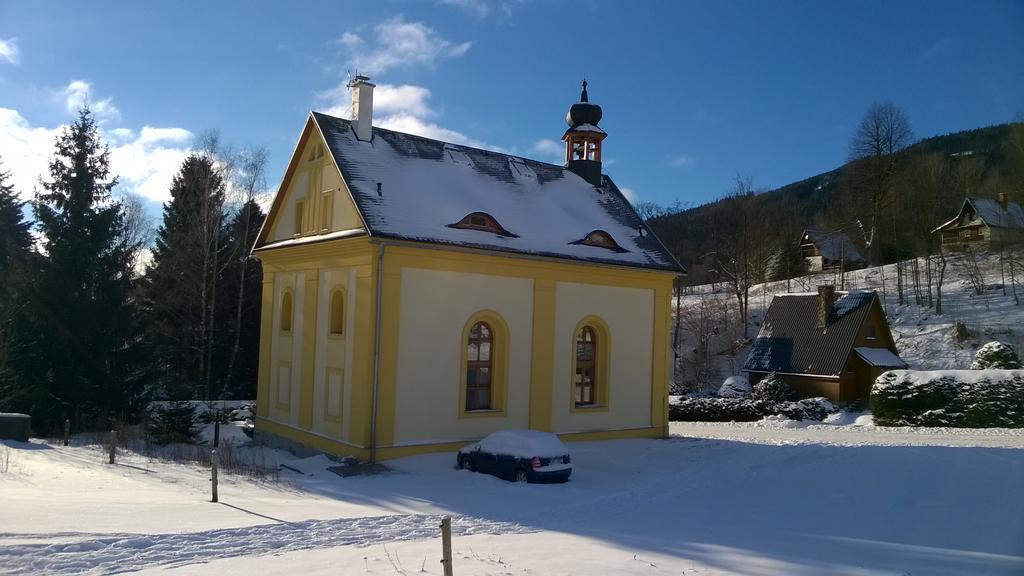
(362, 107)
(826, 303)
(1001, 198)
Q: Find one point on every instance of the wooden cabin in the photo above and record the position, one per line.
(831, 344)
(827, 250)
(982, 224)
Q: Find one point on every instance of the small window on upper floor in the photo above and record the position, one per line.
(316, 151)
(325, 212)
(600, 239)
(300, 215)
(870, 333)
(484, 222)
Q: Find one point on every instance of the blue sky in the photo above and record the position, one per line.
(693, 93)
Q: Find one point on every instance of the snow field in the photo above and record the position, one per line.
(867, 503)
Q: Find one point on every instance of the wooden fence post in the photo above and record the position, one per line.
(113, 445)
(67, 431)
(446, 545)
(216, 432)
(213, 472)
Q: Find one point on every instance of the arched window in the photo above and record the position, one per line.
(586, 367)
(600, 239)
(590, 389)
(286, 311)
(482, 221)
(337, 313)
(479, 367)
(483, 366)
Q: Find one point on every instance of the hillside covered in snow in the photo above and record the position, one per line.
(978, 306)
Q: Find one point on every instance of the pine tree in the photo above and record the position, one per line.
(243, 282)
(84, 309)
(182, 312)
(16, 336)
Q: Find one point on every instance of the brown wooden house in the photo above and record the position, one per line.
(983, 223)
(831, 344)
(826, 250)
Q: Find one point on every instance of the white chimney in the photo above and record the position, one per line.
(362, 107)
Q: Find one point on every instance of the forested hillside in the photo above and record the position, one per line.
(917, 187)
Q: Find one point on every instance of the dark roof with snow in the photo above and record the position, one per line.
(989, 212)
(791, 342)
(834, 245)
(427, 185)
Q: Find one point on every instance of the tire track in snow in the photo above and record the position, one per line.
(116, 553)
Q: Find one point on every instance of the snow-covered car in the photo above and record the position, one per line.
(519, 456)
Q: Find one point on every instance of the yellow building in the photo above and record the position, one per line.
(418, 295)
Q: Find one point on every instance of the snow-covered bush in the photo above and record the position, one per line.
(717, 410)
(960, 398)
(772, 389)
(735, 387)
(996, 355)
(806, 409)
(173, 422)
(746, 410)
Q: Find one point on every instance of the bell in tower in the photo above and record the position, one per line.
(583, 139)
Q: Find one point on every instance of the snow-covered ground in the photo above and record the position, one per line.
(773, 498)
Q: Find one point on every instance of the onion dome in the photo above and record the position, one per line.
(583, 112)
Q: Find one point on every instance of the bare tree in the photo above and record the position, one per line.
(741, 257)
(249, 184)
(648, 210)
(882, 133)
(138, 231)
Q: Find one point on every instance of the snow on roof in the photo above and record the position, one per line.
(991, 212)
(587, 128)
(523, 444)
(834, 245)
(425, 185)
(880, 357)
(317, 238)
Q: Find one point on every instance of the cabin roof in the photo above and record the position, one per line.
(834, 245)
(791, 342)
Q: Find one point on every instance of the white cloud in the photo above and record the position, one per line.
(412, 125)
(145, 162)
(549, 150)
(477, 8)
(629, 194)
(9, 51)
(78, 93)
(24, 151)
(399, 43)
(350, 40)
(481, 9)
(679, 161)
(404, 108)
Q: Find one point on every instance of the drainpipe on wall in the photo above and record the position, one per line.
(376, 359)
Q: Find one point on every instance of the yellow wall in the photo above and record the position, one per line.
(438, 291)
(333, 354)
(629, 316)
(435, 307)
(311, 272)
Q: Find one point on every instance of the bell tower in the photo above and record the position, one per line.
(583, 139)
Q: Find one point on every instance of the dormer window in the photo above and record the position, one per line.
(484, 222)
(601, 239)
